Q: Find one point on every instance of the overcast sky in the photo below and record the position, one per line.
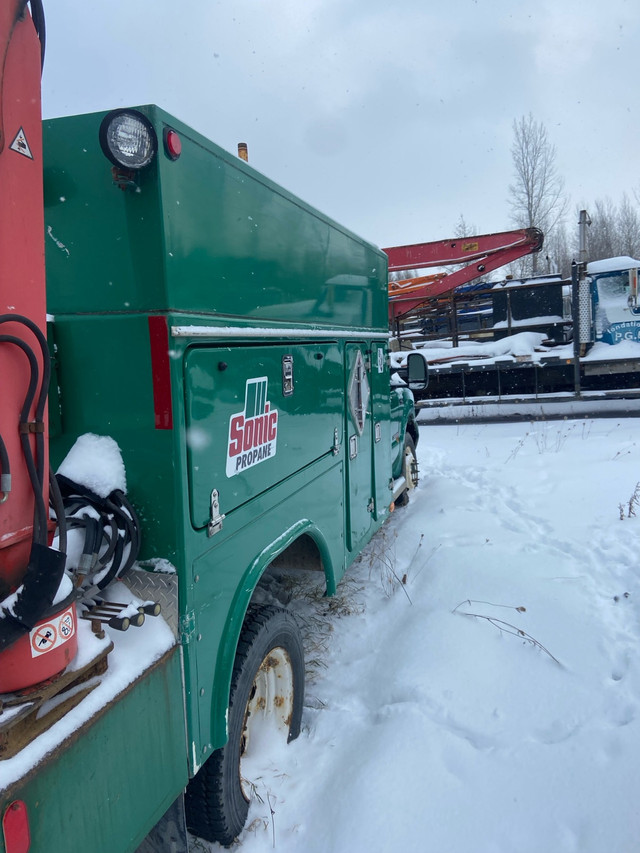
(394, 119)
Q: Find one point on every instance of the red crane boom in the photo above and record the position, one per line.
(481, 254)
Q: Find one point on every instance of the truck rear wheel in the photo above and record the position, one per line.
(265, 710)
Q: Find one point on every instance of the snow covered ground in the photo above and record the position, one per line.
(434, 730)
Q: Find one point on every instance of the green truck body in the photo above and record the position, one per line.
(233, 341)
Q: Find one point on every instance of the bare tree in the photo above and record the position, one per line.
(628, 228)
(537, 192)
(463, 229)
(614, 229)
(557, 251)
(602, 237)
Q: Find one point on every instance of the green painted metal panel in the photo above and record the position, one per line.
(104, 373)
(205, 233)
(380, 407)
(104, 246)
(358, 446)
(245, 430)
(108, 787)
(229, 566)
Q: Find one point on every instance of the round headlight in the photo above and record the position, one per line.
(128, 139)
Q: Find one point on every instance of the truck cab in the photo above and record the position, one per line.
(614, 290)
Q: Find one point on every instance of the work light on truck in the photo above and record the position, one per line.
(128, 139)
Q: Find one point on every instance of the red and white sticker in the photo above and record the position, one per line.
(253, 432)
(49, 635)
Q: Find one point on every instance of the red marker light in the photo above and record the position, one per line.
(172, 144)
(15, 828)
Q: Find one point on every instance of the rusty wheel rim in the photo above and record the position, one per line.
(410, 468)
(267, 718)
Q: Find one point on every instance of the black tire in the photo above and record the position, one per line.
(270, 648)
(409, 469)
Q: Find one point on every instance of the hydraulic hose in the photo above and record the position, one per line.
(37, 16)
(55, 499)
(45, 568)
(111, 532)
(40, 519)
(38, 424)
(5, 472)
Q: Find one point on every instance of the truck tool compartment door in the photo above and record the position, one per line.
(381, 423)
(256, 415)
(359, 445)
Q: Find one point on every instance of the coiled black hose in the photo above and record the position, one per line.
(110, 528)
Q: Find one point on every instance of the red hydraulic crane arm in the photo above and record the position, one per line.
(22, 290)
(442, 253)
(482, 255)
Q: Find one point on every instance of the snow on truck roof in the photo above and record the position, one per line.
(612, 264)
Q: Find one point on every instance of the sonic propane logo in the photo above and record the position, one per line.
(253, 432)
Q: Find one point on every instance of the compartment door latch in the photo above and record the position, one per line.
(216, 517)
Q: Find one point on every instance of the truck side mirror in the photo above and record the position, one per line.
(417, 373)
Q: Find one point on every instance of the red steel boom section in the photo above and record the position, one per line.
(22, 275)
(481, 254)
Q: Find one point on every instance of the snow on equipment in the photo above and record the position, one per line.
(477, 256)
(540, 339)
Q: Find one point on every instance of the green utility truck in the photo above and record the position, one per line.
(233, 343)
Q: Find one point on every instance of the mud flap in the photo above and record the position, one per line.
(169, 835)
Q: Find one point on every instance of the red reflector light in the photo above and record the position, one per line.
(172, 144)
(15, 828)
(161, 372)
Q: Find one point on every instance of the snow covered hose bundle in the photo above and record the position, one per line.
(103, 533)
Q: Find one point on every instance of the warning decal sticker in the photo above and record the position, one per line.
(254, 431)
(55, 632)
(21, 145)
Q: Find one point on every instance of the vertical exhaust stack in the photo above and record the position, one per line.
(243, 151)
(583, 222)
(583, 319)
